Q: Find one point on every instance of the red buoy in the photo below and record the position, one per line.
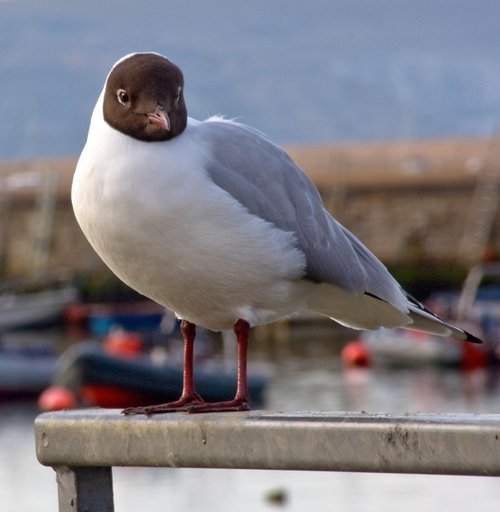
(57, 398)
(124, 344)
(356, 354)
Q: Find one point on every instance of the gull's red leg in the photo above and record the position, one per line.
(189, 395)
(241, 401)
(242, 330)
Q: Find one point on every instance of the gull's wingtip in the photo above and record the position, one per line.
(471, 338)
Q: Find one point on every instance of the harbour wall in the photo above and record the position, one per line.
(410, 202)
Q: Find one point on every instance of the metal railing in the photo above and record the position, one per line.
(83, 445)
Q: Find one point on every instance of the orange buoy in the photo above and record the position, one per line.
(122, 343)
(356, 354)
(57, 398)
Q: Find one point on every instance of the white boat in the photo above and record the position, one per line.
(31, 308)
(400, 347)
(476, 308)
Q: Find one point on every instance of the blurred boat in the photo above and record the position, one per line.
(479, 302)
(141, 316)
(118, 374)
(24, 309)
(25, 370)
(476, 308)
(403, 348)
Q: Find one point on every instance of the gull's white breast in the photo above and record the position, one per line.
(154, 216)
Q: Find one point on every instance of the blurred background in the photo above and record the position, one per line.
(392, 107)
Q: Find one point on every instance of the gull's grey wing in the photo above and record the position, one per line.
(264, 179)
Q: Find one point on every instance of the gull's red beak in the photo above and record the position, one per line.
(160, 118)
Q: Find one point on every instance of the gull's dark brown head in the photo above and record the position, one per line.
(144, 98)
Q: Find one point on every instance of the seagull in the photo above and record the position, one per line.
(216, 223)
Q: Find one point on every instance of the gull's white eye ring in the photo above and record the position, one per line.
(122, 96)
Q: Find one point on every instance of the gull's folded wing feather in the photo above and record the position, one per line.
(270, 185)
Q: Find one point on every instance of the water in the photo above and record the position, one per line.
(306, 376)
(322, 71)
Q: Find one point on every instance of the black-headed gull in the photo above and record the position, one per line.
(216, 223)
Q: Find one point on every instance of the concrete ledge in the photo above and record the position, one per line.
(460, 444)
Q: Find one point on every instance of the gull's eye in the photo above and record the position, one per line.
(178, 96)
(122, 96)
